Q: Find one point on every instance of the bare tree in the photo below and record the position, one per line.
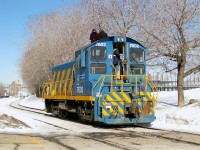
(53, 39)
(169, 30)
(173, 29)
(115, 16)
(2, 90)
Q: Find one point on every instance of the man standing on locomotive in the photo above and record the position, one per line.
(102, 34)
(94, 36)
(116, 62)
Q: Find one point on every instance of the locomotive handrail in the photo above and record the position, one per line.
(55, 87)
(98, 81)
(154, 89)
(145, 80)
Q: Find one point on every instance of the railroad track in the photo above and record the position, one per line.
(156, 133)
(110, 143)
(16, 105)
(166, 136)
(53, 139)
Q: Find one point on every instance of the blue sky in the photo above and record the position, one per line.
(14, 15)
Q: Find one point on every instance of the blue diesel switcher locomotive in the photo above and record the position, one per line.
(106, 83)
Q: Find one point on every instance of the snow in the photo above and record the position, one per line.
(33, 102)
(168, 116)
(171, 117)
(37, 127)
(34, 126)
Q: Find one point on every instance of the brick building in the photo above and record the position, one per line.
(14, 88)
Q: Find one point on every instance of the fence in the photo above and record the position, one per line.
(172, 85)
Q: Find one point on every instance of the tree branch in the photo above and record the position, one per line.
(187, 73)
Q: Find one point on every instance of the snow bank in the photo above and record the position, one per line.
(33, 102)
(171, 117)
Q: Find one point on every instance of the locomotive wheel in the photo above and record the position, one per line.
(79, 112)
(63, 113)
(54, 110)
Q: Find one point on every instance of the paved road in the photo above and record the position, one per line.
(98, 141)
(24, 142)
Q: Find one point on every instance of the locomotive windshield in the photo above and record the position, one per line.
(137, 69)
(98, 54)
(136, 55)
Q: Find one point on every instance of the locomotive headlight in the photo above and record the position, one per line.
(143, 87)
(120, 39)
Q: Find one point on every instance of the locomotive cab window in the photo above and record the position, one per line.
(137, 69)
(98, 53)
(78, 60)
(97, 68)
(136, 55)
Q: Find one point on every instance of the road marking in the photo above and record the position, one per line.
(35, 140)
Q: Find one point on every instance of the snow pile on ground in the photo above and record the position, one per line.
(33, 102)
(28, 118)
(171, 117)
(11, 122)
